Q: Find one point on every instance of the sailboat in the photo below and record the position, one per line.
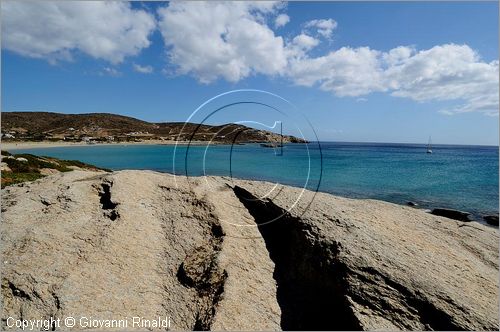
(429, 146)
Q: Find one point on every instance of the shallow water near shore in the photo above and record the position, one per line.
(457, 177)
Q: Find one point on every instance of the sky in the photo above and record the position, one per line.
(359, 71)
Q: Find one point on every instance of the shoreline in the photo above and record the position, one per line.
(49, 144)
(422, 205)
(7, 146)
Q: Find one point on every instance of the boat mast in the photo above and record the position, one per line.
(281, 134)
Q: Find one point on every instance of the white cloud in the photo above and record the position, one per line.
(323, 27)
(299, 46)
(143, 69)
(109, 71)
(346, 72)
(305, 42)
(55, 30)
(232, 40)
(281, 20)
(398, 55)
(447, 72)
(443, 73)
(222, 39)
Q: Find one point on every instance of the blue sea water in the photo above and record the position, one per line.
(458, 177)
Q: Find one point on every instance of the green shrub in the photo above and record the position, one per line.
(29, 170)
(9, 178)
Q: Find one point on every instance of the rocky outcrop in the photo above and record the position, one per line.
(212, 253)
(491, 220)
(452, 214)
(381, 266)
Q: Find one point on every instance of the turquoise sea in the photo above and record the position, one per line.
(459, 177)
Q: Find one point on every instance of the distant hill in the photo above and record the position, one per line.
(105, 126)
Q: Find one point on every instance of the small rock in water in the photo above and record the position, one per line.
(452, 214)
(410, 203)
(491, 220)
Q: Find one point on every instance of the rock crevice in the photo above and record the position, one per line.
(311, 288)
(200, 270)
(327, 281)
(108, 206)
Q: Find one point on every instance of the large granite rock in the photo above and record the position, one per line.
(367, 264)
(204, 253)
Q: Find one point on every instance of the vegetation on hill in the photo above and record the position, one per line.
(27, 167)
(37, 126)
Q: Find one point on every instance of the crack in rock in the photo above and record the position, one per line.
(200, 270)
(107, 204)
(311, 289)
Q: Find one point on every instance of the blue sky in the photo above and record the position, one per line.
(377, 72)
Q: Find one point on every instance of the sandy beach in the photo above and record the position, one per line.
(11, 146)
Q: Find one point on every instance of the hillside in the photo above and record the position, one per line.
(104, 126)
